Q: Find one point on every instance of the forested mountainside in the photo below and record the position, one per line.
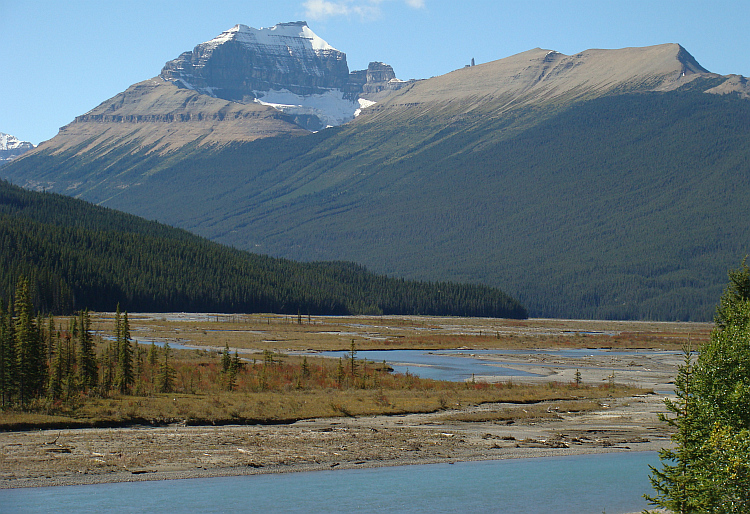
(625, 206)
(78, 256)
(606, 184)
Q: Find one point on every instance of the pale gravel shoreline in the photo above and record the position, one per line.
(129, 477)
(99, 456)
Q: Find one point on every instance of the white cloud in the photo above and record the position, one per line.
(320, 9)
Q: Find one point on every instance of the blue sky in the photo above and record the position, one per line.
(62, 58)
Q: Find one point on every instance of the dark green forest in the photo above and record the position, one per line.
(79, 256)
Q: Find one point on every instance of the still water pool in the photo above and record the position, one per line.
(578, 484)
(452, 365)
(460, 365)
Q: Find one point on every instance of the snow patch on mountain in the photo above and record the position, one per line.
(287, 36)
(363, 104)
(8, 142)
(331, 108)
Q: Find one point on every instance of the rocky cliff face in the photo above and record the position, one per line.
(287, 67)
(12, 147)
(242, 61)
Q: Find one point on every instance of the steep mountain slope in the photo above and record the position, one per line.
(610, 209)
(158, 115)
(605, 184)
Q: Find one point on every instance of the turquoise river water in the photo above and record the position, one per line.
(563, 485)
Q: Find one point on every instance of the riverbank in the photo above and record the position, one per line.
(90, 456)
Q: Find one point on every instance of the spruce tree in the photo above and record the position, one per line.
(57, 370)
(8, 358)
(340, 373)
(235, 366)
(709, 468)
(226, 359)
(118, 329)
(138, 371)
(237, 363)
(30, 350)
(152, 354)
(166, 372)
(677, 484)
(124, 380)
(736, 291)
(50, 337)
(88, 374)
(353, 361)
(70, 383)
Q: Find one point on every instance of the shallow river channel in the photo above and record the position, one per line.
(578, 484)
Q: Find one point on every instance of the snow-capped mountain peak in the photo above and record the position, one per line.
(286, 56)
(287, 67)
(12, 147)
(285, 35)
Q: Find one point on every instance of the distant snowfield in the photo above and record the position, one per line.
(330, 107)
(8, 142)
(363, 104)
(284, 37)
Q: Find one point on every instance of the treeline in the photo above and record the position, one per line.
(77, 256)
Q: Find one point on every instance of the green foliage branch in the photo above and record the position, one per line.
(709, 468)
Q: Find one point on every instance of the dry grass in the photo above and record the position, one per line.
(543, 410)
(225, 407)
(259, 332)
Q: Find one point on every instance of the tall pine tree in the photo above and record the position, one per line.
(709, 469)
(8, 359)
(166, 372)
(124, 378)
(88, 374)
(30, 349)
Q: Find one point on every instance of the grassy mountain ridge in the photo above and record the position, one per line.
(81, 256)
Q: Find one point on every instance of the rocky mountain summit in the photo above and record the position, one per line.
(12, 147)
(242, 61)
(287, 67)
